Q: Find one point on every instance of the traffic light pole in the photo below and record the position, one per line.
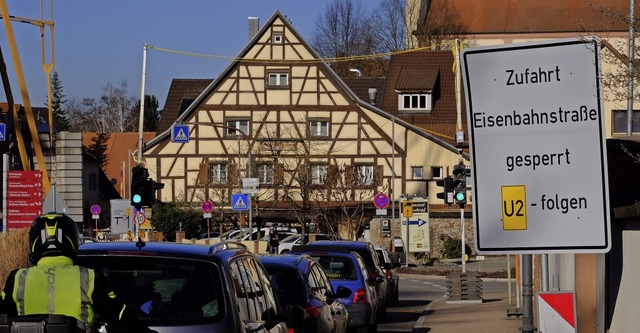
(462, 238)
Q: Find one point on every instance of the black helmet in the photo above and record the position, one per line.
(53, 234)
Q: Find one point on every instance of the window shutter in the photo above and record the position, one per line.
(349, 175)
(278, 174)
(333, 174)
(232, 171)
(203, 174)
(378, 173)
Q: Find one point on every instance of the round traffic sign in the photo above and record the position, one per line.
(207, 206)
(381, 200)
(95, 210)
(139, 218)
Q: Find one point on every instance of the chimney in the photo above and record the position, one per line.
(373, 94)
(254, 26)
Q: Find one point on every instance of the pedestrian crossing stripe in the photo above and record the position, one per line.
(180, 136)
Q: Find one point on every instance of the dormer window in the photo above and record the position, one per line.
(417, 89)
(414, 102)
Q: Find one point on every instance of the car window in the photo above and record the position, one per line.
(288, 285)
(253, 291)
(163, 289)
(323, 284)
(337, 267)
(381, 256)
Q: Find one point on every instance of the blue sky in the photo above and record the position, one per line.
(101, 42)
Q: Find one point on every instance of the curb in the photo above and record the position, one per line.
(421, 323)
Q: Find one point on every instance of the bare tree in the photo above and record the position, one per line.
(341, 33)
(389, 26)
(106, 115)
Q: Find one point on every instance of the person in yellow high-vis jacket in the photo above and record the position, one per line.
(56, 286)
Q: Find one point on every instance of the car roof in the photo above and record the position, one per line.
(342, 243)
(299, 262)
(224, 250)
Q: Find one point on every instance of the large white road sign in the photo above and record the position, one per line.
(537, 143)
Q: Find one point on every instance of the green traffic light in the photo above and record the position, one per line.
(137, 198)
(460, 196)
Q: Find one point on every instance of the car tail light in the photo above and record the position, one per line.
(389, 275)
(311, 311)
(360, 296)
(290, 330)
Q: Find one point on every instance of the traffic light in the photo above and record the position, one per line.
(447, 187)
(460, 184)
(139, 186)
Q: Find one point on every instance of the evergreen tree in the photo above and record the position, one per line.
(60, 118)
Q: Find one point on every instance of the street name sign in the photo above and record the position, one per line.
(24, 198)
(537, 145)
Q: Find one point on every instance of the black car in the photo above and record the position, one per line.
(189, 287)
(389, 269)
(373, 266)
(300, 281)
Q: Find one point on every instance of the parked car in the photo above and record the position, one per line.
(232, 234)
(300, 281)
(211, 234)
(368, 253)
(389, 270)
(346, 268)
(178, 287)
(263, 234)
(296, 239)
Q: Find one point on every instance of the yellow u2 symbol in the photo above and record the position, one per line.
(514, 207)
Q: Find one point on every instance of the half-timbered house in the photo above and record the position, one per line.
(278, 113)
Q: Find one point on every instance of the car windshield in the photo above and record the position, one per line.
(288, 285)
(164, 290)
(337, 268)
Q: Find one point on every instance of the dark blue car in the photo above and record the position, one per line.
(300, 281)
(368, 253)
(188, 287)
(347, 269)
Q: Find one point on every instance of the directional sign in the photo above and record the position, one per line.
(381, 200)
(240, 202)
(24, 198)
(557, 312)
(3, 132)
(537, 144)
(418, 224)
(180, 133)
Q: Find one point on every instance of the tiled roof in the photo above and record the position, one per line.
(541, 16)
(418, 69)
(121, 148)
(181, 93)
(360, 86)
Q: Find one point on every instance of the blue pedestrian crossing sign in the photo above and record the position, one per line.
(180, 133)
(240, 202)
(3, 132)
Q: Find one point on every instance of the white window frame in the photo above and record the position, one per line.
(319, 128)
(414, 101)
(277, 79)
(417, 172)
(232, 127)
(218, 173)
(319, 174)
(278, 38)
(266, 174)
(364, 174)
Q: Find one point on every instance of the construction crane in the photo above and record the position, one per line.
(48, 68)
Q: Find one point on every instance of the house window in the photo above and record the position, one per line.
(436, 172)
(235, 127)
(416, 172)
(93, 182)
(265, 174)
(620, 122)
(364, 175)
(277, 38)
(414, 102)
(319, 128)
(218, 173)
(278, 80)
(318, 174)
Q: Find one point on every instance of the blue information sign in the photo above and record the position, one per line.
(240, 202)
(180, 133)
